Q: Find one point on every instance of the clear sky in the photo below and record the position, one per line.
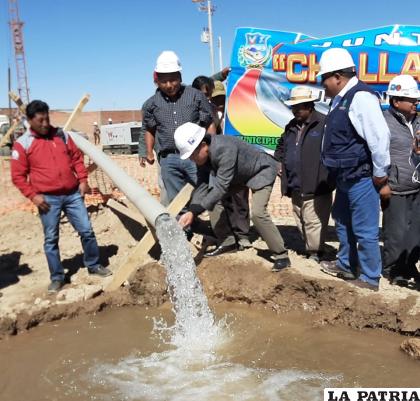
(108, 48)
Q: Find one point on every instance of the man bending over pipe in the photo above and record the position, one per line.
(226, 164)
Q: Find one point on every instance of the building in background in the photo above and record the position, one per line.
(87, 118)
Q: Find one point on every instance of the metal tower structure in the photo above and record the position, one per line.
(17, 37)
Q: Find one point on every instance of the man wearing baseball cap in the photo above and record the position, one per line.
(172, 105)
(355, 150)
(303, 177)
(226, 163)
(401, 216)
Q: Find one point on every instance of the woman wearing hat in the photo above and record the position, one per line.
(303, 177)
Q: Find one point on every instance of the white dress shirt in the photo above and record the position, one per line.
(366, 116)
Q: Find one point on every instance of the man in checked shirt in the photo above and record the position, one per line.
(172, 105)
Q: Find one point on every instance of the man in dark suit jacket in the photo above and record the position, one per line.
(303, 177)
(225, 164)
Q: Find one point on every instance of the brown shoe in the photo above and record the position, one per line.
(331, 268)
(365, 285)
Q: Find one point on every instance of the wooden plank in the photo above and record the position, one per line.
(132, 214)
(76, 112)
(133, 261)
(21, 106)
(19, 103)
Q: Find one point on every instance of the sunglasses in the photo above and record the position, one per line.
(408, 99)
(327, 75)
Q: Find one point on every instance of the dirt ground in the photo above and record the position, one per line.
(240, 277)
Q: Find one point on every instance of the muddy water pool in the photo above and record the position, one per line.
(115, 355)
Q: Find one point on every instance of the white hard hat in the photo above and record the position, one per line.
(187, 137)
(95, 123)
(403, 86)
(168, 61)
(335, 59)
(109, 119)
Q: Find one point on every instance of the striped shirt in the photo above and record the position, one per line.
(162, 116)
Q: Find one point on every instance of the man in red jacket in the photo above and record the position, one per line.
(48, 168)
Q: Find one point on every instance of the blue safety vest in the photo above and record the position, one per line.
(344, 152)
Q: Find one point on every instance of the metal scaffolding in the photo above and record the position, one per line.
(16, 26)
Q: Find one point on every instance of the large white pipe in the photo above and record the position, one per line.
(149, 207)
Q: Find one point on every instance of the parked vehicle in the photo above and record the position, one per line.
(120, 138)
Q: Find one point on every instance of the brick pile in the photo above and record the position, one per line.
(103, 188)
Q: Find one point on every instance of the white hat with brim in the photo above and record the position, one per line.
(187, 138)
(300, 94)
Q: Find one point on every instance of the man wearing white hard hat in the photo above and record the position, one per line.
(172, 105)
(401, 213)
(355, 150)
(303, 177)
(225, 164)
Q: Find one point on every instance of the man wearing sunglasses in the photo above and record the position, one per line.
(355, 150)
(401, 217)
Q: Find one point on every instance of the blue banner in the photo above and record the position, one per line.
(267, 64)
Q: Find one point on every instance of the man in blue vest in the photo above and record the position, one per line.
(356, 151)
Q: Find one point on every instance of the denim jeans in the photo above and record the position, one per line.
(356, 215)
(75, 210)
(176, 173)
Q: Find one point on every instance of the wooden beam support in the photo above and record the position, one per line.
(133, 261)
(9, 133)
(76, 112)
(22, 107)
(19, 103)
(132, 214)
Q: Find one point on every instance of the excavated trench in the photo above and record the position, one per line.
(328, 301)
(285, 336)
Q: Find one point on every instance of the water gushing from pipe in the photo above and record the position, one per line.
(194, 322)
(194, 325)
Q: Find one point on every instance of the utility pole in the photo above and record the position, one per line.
(9, 85)
(209, 12)
(220, 53)
(210, 9)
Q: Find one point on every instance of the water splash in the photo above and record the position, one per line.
(195, 327)
(192, 370)
(166, 376)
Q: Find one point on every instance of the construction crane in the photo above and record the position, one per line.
(16, 26)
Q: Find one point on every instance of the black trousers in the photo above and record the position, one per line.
(401, 229)
(237, 210)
